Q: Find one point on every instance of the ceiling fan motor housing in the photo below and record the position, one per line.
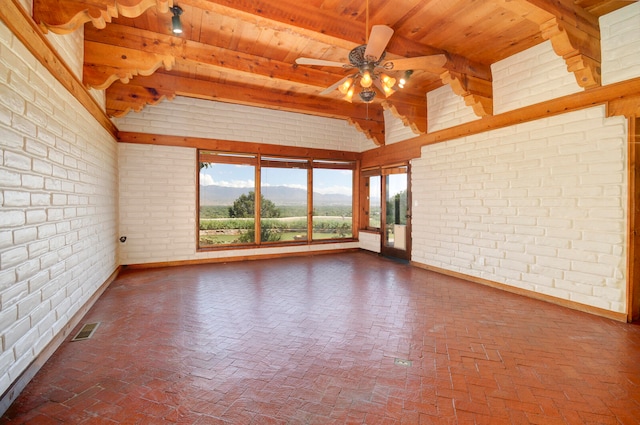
(365, 64)
(357, 58)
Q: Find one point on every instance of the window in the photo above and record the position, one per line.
(227, 199)
(300, 200)
(283, 184)
(374, 202)
(332, 201)
(372, 199)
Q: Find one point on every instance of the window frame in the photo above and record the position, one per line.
(260, 160)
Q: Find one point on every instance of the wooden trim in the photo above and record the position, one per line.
(618, 93)
(270, 163)
(207, 156)
(235, 146)
(310, 206)
(356, 197)
(632, 229)
(25, 30)
(621, 317)
(27, 375)
(237, 259)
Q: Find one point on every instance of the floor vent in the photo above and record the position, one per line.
(86, 332)
(402, 362)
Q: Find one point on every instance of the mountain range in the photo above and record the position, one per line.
(279, 195)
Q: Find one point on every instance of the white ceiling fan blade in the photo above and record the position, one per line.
(433, 63)
(334, 86)
(319, 62)
(378, 40)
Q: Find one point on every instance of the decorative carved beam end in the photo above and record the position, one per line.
(373, 130)
(477, 93)
(122, 99)
(579, 49)
(587, 71)
(104, 65)
(417, 122)
(65, 16)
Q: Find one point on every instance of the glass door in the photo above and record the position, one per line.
(396, 214)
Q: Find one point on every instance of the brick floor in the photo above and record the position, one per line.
(315, 340)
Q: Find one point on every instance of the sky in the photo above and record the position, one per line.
(324, 181)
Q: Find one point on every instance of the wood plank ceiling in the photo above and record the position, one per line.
(244, 51)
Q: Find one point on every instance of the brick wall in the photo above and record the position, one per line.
(215, 120)
(71, 48)
(533, 76)
(539, 206)
(58, 221)
(445, 109)
(369, 241)
(542, 205)
(394, 129)
(620, 43)
(157, 203)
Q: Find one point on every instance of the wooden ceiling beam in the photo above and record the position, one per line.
(341, 30)
(104, 58)
(160, 46)
(106, 63)
(149, 90)
(65, 16)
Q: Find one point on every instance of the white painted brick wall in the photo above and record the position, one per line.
(445, 109)
(157, 203)
(369, 241)
(216, 120)
(620, 43)
(158, 208)
(529, 77)
(540, 206)
(71, 48)
(394, 129)
(58, 215)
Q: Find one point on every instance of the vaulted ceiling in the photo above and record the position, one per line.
(244, 51)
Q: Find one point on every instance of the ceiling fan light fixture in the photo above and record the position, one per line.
(344, 87)
(405, 78)
(366, 79)
(176, 25)
(349, 96)
(387, 81)
(388, 91)
(367, 95)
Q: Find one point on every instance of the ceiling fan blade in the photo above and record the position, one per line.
(431, 63)
(319, 62)
(378, 40)
(334, 86)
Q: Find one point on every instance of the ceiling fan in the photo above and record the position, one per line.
(368, 61)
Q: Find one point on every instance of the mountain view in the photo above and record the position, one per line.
(279, 195)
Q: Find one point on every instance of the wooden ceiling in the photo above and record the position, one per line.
(244, 51)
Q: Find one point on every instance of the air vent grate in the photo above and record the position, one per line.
(86, 332)
(403, 362)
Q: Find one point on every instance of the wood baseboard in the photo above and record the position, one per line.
(21, 382)
(238, 258)
(621, 317)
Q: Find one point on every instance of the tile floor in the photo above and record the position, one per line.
(327, 340)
